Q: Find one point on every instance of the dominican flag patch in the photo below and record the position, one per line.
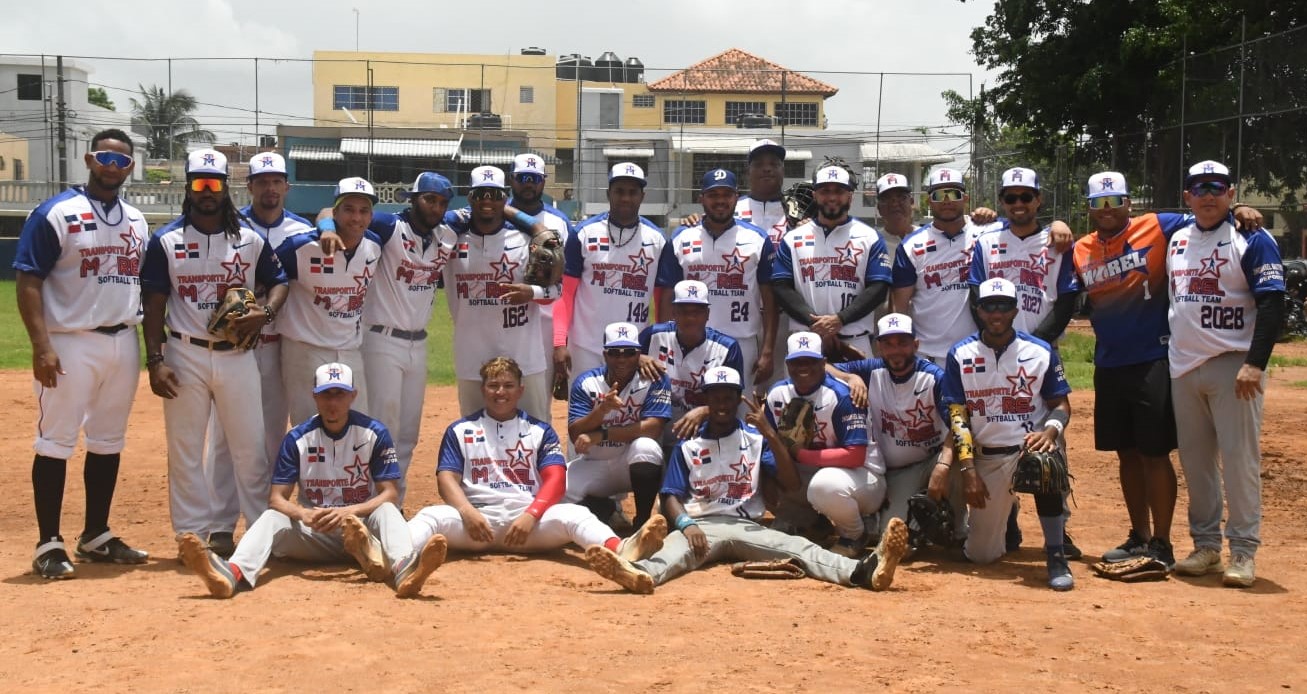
(666, 355)
(322, 265)
(1000, 249)
(976, 365)
(596, 243)
(75, 223)
(478, 436)
(688, 247)
(462, 250)
(702, 458)
(1178, 246)
(930, 246)
(182, 251)
(808, 241)
(314, 454)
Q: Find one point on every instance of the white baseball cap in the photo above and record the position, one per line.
(803, 344)
(333, 375)
(892, 181)
(1019, 177)
(355, 185)
(1107, 183)
(267, 163)
(894, 324)
(529, 163)
(690, 292)
(629, 170)
(621, 335)
(832, 174)
(764, 147)
(997, 287)
(946, 177)
(488, 177)
(206, 162)
(1208, 169)
(721, 376)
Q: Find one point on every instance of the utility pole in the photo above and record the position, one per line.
(61, 116)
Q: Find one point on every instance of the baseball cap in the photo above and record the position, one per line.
(892, 181)
(803, 344)
(721, 376)
(621, 335)
(355, 186)
(718, 178)
(894, 324)
(946, 177)
(765, 147)
(832, 174)
(206, 162)
(1017, 176)
(267, 163)
(488, 177)
(1106, 183)
(997, 288)
(627, 169)
(1208, 169)
(333, 375)
(529, 163)
(428, 182)
(690, 292)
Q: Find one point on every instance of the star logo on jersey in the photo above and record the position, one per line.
(363, 278)
(628, 412)
(734, 261)
(696, 377)
(640, 261)
(409, 244)
(849, 253)
(741, 469)
(920, 414)
(504, 268)
(358, 472)
(236, 269)
(131, 244)
(519, 458)
(1022, 383)
(819, 436)
(1040, 261)
(1212, 265)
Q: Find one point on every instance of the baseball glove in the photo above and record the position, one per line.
(1133, 570)
(797, 424)
(544, 265)
(930, 522)
(236, 303)
(776, 568)
(1042, 472)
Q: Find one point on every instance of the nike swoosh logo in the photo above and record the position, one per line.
(1022, 361)
(919, 392)
(646, 244)
(638, 390)
(741, 243)
(522, 436)
(369, 262)
(512, 248)
(360, 446)
(235, 246)
(818, 408)
(1222, 243)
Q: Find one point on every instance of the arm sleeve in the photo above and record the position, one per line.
(563, 312)
(1055, 384)
(735, 358)
(154, 268)
(1056, 321)
(553, 484)
(550, 453)
(1270, 321)
(865, 302)
(286, 253)
(669, 270)
(844, 456)
(579, 402)
(951, 391)
(849, 422)
(878, 263)
(766, 260)
(790, 300)
(977, 273)
(783, 265)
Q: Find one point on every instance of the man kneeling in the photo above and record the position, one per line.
(712, 489)
(345, 465)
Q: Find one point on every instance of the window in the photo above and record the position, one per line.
(791, 113)
(642, 101)
(18, 169)
(29, 87)
(735, 109)
(446, 100)
(685, 111)
(526, 95)
(356, 98)
(794, 169)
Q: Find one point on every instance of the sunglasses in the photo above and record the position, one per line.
(1012, 198)
(528, 178)
(998, 306)
(216, 185)
(1198, 190)
(946, 195)
(1107, 202)
(626, 352)
(486, 194)
(108, 158)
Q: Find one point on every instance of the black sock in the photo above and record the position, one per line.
(101, 477)
(601, 506)
(646, 478)
(48, 492)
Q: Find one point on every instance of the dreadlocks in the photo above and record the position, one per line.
(231, 217)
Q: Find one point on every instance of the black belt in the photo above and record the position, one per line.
(215, 345)
(410, 335)
(854, 337)
(111, 329)
(999, 450)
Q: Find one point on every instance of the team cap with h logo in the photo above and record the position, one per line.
(803, 344)
(333, 375)
(267, 163)
(1107, 183)
(946, 178)
(627, 170)
(721, 376)
(1018, 177)
(206, 162)
(892, 181)
(690, 292)
(355, 186)
(621, 335)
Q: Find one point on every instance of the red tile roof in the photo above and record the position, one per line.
(739, 71)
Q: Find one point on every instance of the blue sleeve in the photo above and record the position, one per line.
(658, 402)
(735, 358)
(287, 256)
(644, 339)
(573, 263)
(455, 219)
(1067, 282)
(38, 245)
(154, 268)
(269, 271)
(383, 225)
(783, 268)
(765, 262)
(579, 403)
(978, 273)
(1055, 385)
(669, 271)
(1262, 264)
(767, 460)
(904, 273)
(878, 263)
(287, 470)
(860, 368)
(551, 451)
(1171, 222)
(952, 392)
(850, 423)
(676, 481)
(451, 453)
(384, 464)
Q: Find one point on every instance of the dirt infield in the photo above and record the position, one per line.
(504, 623)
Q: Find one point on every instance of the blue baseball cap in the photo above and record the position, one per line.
(718, 178)
(428, 182)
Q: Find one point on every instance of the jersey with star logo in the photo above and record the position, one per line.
(1040, 273)
(904, 418)
(325, 309)
(334, 471)
(500, 462)
(937, 265)
(830, 269)
(735, 266)
(1007, 397)
(839, 423)
(411, 264)
(725, 475)
(616, 269)
(685, 369)
(641, 399)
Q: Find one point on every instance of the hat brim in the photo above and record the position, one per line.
(329, 386)
(1195, 178)
(888, 333)
(719, 185)
(766, 149)
(622, 343)
(1107, 193)
(641, 181)
(732, 386)
(880, 191)
(372, 198)
(804, 354)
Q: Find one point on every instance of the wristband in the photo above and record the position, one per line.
(153, 360)
(603, 435)
(1055, 424)
(524, 219)
(328, 224)
(684, 521)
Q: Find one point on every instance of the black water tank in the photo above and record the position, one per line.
(533, 50)
(566, 66)
(485, 121)
(586, 70)
(609, 68)
(634, 70)
(753, 120)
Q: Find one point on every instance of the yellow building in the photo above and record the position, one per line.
(13, 158)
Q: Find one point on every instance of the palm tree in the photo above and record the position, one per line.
(166, 122)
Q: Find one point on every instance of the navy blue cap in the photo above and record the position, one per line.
(428, 182)
(718, 178)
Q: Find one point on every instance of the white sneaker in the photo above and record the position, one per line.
(1200, 562)
(1241, 572)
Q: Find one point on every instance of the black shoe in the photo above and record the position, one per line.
(111, 550)
(1069, 549)
(1162, 551)
(222, 544)
(53, 563)
(1012, 540)
(1131, 548)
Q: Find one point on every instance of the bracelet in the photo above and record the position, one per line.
(603, 435)
(966, 468)
(684, 521)
(270, 314)
(153, 360)
(327, 225)
(1056, 424)
(942, 463)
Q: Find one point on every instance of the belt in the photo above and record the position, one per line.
(854, 337)
(999, 450)
(111, 329)
(214, 345)
(410, 335)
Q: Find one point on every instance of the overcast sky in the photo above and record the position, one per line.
(820, 38)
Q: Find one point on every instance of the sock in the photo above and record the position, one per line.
(48, 492)
(646, 478)
(612, 543)
(101, 477)
(1053, 526)
(236, 572)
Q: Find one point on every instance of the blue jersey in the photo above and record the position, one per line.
(340, 470)
(720, 476)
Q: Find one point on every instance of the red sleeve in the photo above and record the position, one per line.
(847, 456)
(553, 483)
(563, 311)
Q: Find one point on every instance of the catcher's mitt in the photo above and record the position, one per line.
(930, 522)
(236, 303)
(797, 424)
(1133, 570)
(1042, 472)
(798, 203)
(544, 265)
(776, 568)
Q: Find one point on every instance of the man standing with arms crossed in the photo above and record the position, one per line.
(78, 264)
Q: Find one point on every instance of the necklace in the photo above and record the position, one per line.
(96, 205)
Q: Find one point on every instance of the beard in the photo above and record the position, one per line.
(835, 211)
(100, 182)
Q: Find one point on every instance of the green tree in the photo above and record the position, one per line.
(97, 96)
(166, 121)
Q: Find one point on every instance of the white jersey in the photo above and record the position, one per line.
(685, 367)
(500, 461)
(1041, 274)
(830, 269)
(768, 215)
(720, 476)
(641, 399)
(1006, 392)
(324, 307)
(484, 326)
(89, 258)
(196, 269)
(288, 224)
(903, 418)
(337, 471)
(838, 422)
(616, 267)
(1215, 277)
(404, 287)
(735, 266)
(937, 266)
